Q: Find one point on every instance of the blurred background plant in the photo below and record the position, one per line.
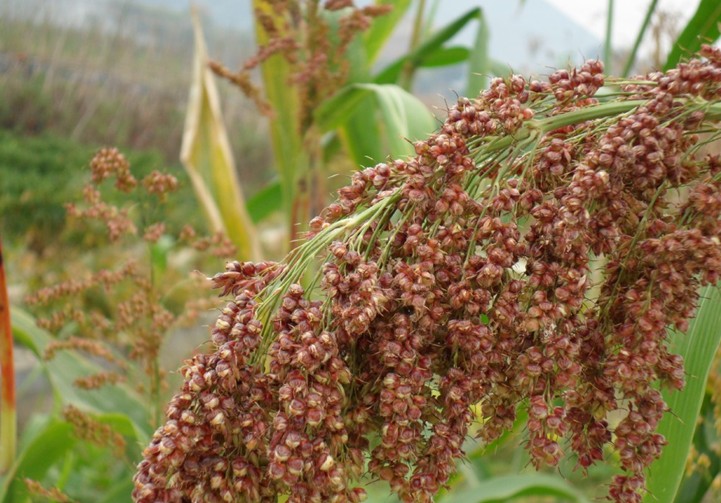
(327, 87)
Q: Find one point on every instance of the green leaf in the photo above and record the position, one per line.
(440, 37)
(69, 365)
(404, 116)
(696, 485)
(334, 111)
(502, 489)
(518, 426)
(446, 56)
(208, 159)
(392, 72)
(119, 493)
(265, 202)
(159, 254)
(361, 135)
(479, 60)
(702, 28)
(698, 348)
(45, 449)
(381, 28)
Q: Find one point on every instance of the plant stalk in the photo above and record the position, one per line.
(637, 43)
(409, 68)
(608, 46)
(8, 410)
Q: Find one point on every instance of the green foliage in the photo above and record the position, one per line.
(428, 49)
(37, 456)
(698, 347)
(85, 470)
(288, 154)
(402, 117)
(376, 37)
(505, 488)
(40, 175)
(264, 202)
(694, 486)
(37, 177)
(67, 366)
(702, 28)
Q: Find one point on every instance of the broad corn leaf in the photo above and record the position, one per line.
(403, 117)
(208, 159)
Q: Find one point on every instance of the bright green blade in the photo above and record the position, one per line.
(698, 347)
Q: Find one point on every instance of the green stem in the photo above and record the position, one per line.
(406, 80)
(607, 48)
(285, 135)
(8, 411)
(646, 21)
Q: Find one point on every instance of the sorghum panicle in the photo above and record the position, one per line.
(528, 256)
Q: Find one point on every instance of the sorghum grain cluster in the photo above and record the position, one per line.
(531, 255)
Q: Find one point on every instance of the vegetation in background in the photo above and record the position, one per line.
(123, 82)
(39, 175)
(208, 158)
(100, 333)
(327, 103)
(67, 88)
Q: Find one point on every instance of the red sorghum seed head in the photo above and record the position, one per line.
(463, 276)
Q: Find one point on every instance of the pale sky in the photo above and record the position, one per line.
(628, 16)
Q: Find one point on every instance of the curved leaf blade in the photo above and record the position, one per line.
(404, 117)
(392, 72)
(40, 454)
(702, 28)
(698, 347)
(67, 366)
(446, 56)
(208, 158)
(502, 489)
(375, 38)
